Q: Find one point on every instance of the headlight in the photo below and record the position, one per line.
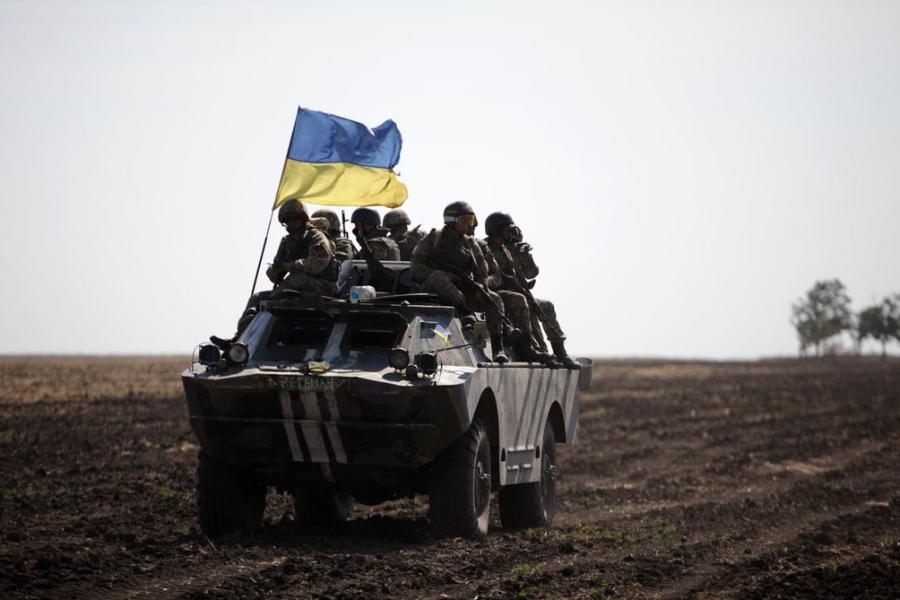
(427, 362)
(399, 358)
(209, 354)
(238, 354)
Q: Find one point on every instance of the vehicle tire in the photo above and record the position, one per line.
(229, 500)
(460, 485)
(532, 504)
(317, 505)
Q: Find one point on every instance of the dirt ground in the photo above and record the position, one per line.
(705, 480)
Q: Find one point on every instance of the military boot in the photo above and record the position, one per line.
(497, 347)
(559, 350)
(526, 351)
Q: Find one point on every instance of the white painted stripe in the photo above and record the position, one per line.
(331, 401)
(290, 431)
(572, 422)
(312, 433)
(310, 406)
(522, 408)
(535, 427)
(549, 397)
(333, 434)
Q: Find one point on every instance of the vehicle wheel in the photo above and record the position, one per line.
(533, 504)
(317, 505)
(460, 485)
(229, 500)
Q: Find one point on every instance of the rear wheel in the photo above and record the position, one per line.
(460, 485)
(229, 500)
(318, 505)
(533, 504)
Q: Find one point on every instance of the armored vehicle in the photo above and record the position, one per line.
(370, 398)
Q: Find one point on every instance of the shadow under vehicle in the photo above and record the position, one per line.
(334, 401)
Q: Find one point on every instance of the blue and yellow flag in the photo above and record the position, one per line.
(336, 161)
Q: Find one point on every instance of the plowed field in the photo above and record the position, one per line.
(707, 480)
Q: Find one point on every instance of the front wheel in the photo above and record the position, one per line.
(229, 500)
(533, 504)
(320, 505)
(460, 485)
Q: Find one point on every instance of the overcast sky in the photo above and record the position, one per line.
(684, 170)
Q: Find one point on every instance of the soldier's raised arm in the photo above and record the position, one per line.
(319, 254)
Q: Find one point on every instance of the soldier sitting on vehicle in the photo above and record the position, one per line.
(514, 258)
(304, 263)
(449, 263)
(397, 221)
(516, 307)
(367, 225)
(343, 247)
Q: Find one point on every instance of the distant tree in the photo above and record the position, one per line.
(823, 313)
(880, 322)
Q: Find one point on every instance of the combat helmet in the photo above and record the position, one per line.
(496, 221)
(396, 218)
(366, 216)
(334, 223)
(292, 208)
(454, 210)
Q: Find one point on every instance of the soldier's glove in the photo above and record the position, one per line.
(272, 273)
(515, 234)
(522, 248)
(320, 223)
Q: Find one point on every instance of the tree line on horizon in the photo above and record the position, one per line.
(824, 312)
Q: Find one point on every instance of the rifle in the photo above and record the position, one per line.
(516, 285)
(343, 224)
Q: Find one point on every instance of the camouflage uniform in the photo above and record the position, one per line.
(459, 251)
(383, 247)
(312, 269)
(397, 221)
(343, 247)
(407, 241)
(524, 265)
(514, 303)
(310, 256)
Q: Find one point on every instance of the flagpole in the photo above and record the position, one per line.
(262, 252)
(274, 206)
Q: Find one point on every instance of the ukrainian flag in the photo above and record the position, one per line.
(336, 161)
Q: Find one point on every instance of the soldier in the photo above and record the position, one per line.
(444, 260)
(343, 247)
(367, 223)
(398, 222)
(514, 303)
(304, 262)
(515, 261)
